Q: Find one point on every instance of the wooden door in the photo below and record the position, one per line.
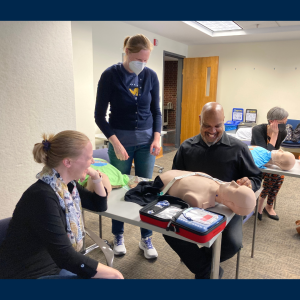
(197, 89)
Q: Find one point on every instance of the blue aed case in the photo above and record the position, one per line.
(237, 118)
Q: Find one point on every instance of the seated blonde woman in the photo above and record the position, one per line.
(45, 235)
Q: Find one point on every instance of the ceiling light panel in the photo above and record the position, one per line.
(220, 25)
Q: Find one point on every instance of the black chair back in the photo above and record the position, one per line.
(3, 228)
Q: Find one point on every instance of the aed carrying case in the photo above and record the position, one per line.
(197, 224)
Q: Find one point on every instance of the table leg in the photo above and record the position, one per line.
(215, 263)
(83, 247)
(238, 264)
(100, 226)
(254, 228)
(238, 260)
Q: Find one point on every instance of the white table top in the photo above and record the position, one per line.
(128, 212)
(294, 172)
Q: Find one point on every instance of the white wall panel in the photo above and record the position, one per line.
(36, 96)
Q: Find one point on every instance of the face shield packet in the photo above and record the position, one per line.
(169, 212)
(162, 204)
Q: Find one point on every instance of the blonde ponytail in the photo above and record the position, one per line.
(54, 148)
(136, 43)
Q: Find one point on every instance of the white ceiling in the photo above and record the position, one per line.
(253, 31)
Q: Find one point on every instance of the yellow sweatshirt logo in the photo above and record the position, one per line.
(134, 92)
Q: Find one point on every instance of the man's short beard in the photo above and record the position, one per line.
(212, 143)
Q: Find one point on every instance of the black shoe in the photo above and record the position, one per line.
(259, 216)
(274, 217)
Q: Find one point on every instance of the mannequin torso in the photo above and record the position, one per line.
(202, 192)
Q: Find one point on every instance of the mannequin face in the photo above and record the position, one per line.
(239, 199)
(283, 159)
(228, 187)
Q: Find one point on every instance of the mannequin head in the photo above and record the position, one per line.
(283, 159)
(240, 199)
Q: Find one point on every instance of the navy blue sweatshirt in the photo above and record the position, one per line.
(127, 111)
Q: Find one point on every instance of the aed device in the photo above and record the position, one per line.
(237, 118)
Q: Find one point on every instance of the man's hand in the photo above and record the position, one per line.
(244, 181)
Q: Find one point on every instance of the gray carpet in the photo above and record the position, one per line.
(276, 249)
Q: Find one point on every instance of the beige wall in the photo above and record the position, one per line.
(37, 95)
(242, 86)
(82, 42)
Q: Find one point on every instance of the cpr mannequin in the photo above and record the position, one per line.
(203, 192)
(263, 157)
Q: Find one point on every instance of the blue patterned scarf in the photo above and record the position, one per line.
(70, 203)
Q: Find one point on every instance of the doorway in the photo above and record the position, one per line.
(172, 97)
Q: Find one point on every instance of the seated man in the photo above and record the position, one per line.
(203, 191)
(263, 157)
(223, 157)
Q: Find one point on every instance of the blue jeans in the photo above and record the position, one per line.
(143, 165)
(63, 274)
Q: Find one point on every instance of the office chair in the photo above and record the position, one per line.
(3, 228)
(104, 245)
(108, 252)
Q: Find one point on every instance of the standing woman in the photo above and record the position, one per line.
(134, 126)
(270, 136)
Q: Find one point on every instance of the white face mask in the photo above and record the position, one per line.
(137, 66)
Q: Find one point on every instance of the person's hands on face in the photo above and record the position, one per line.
(91, 172)
(120, 152)
(155, 148)
(244, 181)
(274, 127)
